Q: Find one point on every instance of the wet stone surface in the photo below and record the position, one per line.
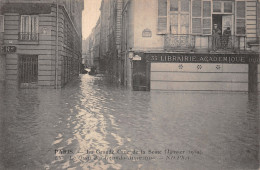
(91, 124)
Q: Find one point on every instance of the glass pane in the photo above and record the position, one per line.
(173, 5)
(185, 5)
(174, 29)
(174, 19)
(228, 7)
(196, 8)
(184, 30)
(216, 6)
(196, 25)
(207, 9)
(184, 20)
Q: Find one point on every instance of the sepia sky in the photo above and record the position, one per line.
(90, 16)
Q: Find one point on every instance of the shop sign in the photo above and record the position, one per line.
(7, 49)
(203, 58)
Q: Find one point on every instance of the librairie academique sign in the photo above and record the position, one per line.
(202, 58)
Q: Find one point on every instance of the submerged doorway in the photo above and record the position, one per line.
(28, 71)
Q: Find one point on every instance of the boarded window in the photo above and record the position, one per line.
(162, 16)
(1, 23)
(240, 18)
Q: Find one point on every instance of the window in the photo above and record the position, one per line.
(201, 17)
(177, 13)
(1, 23)
(240, 18)
(29, 28)
(222, 7)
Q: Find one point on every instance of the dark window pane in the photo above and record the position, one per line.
(174, 5)
(216, 6)
(228, 7)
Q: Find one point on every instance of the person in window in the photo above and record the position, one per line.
(216, 32)
(226, 36)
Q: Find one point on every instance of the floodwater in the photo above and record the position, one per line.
(91, 124)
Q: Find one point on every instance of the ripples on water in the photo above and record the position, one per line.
(90, 114)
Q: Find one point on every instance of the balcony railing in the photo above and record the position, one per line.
(226, 43)
(28, 36)
(179, 42)
(188, 42)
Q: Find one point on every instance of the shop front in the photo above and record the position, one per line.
(196, 72)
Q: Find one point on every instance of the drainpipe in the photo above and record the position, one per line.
(57, 45)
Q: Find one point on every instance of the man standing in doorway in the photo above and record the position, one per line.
(216, 37)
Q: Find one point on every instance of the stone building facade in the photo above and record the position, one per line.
(190, 45)
(42, 45)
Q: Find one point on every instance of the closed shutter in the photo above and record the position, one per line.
(1, 23)
(240, 17)
(206, 19)
(196, 17)
(162, 16)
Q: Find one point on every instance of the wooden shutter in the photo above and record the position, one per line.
(162, 16)
(206, 18)
(1, 23)
(196, 17)
(240, 17)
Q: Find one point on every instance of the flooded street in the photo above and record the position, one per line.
(90, 124)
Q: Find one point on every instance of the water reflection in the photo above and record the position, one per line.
(89, 114)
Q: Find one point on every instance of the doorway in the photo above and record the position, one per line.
(28, 70)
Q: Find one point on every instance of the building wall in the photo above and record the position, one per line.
(69, 46)
(140, 15)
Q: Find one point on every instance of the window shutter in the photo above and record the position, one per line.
(1, 23)
(206, 19)
(196, 17)
(240, 17)
(162, 16)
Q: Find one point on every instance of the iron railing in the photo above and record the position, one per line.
(188, 42)
(226, 43)
(179, 42)
(28, 36)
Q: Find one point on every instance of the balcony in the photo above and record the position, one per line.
(204, 43)
(179, 42)
(28, 36)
